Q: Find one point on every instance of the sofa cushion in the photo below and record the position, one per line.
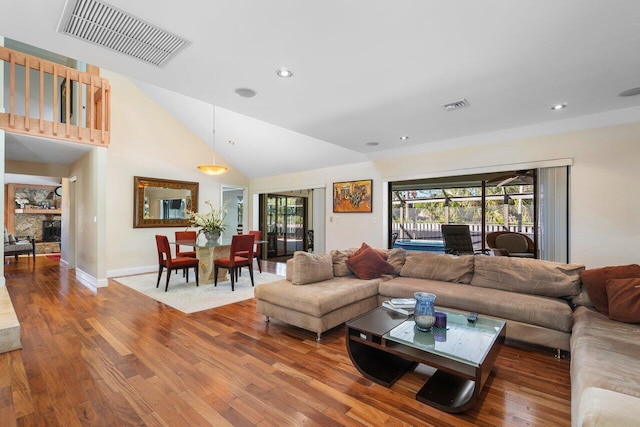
(605, 408)
(311, 268)
(369, 264)
(448, 268)
(339, 260)
(604, 354)
(527, 276)
(552, 313)
(595, 279)
(319, 298)
(623, 296)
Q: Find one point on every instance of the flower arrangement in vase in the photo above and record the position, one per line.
(210, 223)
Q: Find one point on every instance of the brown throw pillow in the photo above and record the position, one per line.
(368, 264)
(624, 299)
(594, 280)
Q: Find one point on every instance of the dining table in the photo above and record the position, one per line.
(209, 250)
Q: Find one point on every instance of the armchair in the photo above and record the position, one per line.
(18, 246)
(512, 244)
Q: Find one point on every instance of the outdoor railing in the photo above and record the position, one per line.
(431, 230)
(55, 101)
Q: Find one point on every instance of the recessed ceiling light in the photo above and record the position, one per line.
(404, 137)
(284, 73)
(630, 92)
(559, 106)
(245, 92)
(372, 143)
(231, 142)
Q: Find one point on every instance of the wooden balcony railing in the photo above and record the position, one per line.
(54, 101)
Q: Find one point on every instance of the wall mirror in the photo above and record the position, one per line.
(163, 202)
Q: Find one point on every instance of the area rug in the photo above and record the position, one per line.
(188, 298)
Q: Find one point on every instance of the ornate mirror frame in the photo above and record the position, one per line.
(142, 220)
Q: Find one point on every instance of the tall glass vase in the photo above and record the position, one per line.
(424, 314)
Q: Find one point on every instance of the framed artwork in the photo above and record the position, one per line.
(352, 196)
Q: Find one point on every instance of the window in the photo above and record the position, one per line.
(503, 201)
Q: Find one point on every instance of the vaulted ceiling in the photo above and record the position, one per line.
(367, 72)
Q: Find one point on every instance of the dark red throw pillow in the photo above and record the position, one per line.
(595, 279)
(368, 264)
(624, 299)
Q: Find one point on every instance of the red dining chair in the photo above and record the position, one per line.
(166, 261)
(185, 236)
(257, 248)
(240, 243)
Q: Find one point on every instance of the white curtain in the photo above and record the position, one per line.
(553, 213)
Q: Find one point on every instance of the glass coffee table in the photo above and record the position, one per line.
(383, 345)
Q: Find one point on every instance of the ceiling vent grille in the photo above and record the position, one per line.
(456, 105)
(104, 25)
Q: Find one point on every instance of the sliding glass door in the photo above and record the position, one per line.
(285, 224)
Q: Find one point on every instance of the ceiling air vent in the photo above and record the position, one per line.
(104, 25)
(456, 105)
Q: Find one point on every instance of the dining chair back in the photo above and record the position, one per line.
(185, 236)
(165, 260)
(257, 249)
(240, 244)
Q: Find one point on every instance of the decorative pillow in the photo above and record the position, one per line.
(364, 247)
(368, 264)
(339, 259)
(448, 268)
(594, 280)
(311, 268)
(396, 257)
(624, 299)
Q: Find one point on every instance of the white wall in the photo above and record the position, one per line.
(89, 220)
(604, 224)
(148, 141)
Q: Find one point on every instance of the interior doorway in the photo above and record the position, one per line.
(233, 200)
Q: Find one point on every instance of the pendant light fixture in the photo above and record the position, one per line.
(213, 169)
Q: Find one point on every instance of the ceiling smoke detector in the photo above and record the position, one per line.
(456, 105)
(105, 25)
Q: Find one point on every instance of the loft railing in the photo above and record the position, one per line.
(55, 101)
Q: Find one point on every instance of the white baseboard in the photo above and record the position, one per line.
(131, 271)
(89, 280)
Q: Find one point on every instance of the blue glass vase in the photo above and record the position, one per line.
(424, 314)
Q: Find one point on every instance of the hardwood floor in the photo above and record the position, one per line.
(115, 357)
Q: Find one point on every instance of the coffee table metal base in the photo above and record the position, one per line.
(449, 393)
(453, 387)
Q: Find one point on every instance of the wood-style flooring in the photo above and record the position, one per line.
(114, 357)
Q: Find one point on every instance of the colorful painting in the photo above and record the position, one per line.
(352, 196)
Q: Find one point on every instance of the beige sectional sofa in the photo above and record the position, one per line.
(542, 302)
(532, 295)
